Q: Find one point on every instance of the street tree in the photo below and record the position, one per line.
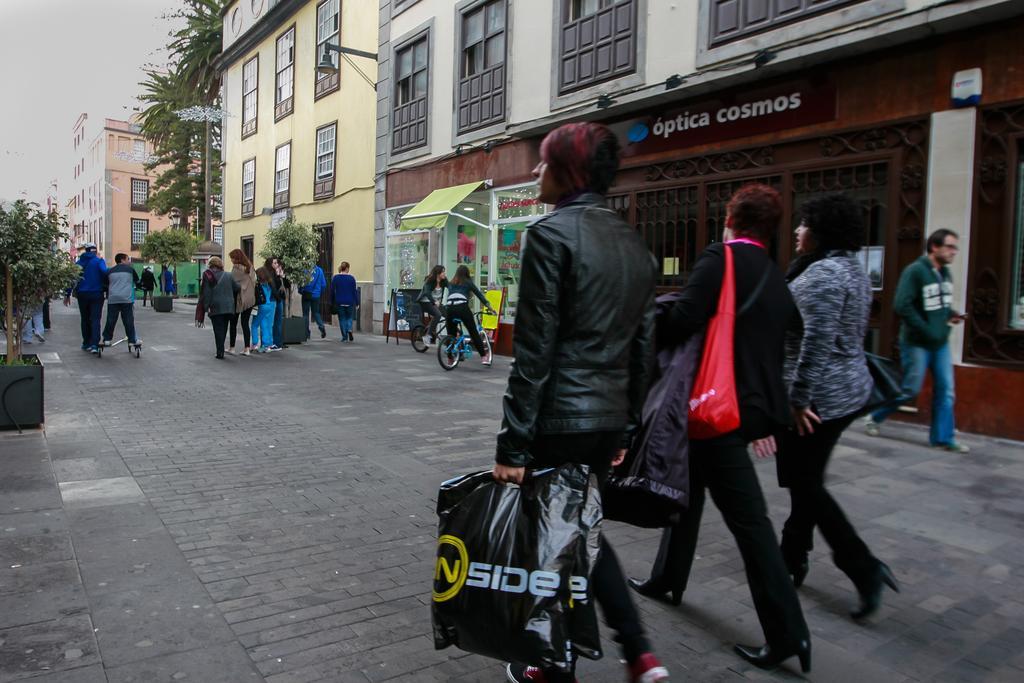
(168, 247)
(33, 267)
(295, 245)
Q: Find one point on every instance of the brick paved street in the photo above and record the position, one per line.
(271, 518)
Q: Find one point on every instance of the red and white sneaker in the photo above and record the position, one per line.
(520, 673)
(647, 669)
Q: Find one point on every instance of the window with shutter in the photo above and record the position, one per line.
(248, 186)
(323, 181)
(140, 228)
(250, 83)
(328, 30)
(481, 87)
(732, 19)
(282, 175)
(409, 108)
(597, 42)
(140, 194)
(284, 83)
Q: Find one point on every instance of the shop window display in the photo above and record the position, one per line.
(407, 255)
(1017, 283)
(514, 209)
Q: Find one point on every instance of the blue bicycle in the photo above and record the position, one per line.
(452, 349)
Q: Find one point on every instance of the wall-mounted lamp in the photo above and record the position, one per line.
(763, 57)
(604, 101)
(326, 66)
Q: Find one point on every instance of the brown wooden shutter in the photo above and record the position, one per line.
(731, 19)
(598, 47)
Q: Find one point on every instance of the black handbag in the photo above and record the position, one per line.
(888, 382)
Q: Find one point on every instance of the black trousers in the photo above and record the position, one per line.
(463, 313)
(596, 449)
(723, 467)
(233, 327)
(146, 294)
(127, 313)
(801, 463)
(220, 330)
(431, 308)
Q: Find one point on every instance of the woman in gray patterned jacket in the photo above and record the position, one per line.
(829, 383)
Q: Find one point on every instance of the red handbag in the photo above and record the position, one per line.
(714, 405)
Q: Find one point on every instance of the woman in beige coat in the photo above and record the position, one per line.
(242, 271)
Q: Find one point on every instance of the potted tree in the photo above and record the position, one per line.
(295, 244)
(167, 247)
(33, 269)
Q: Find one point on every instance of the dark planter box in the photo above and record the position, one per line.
(293, 330)
(21, 395)
(163, 304)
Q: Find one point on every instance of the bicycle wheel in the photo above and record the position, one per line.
(448, 354)
(486, 339)
(417, 339)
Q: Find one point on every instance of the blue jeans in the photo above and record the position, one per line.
(33, 324)
(278, 323)
(345, 320)
(915, 361)
(263, 325)
(312, 307)
(127, 313)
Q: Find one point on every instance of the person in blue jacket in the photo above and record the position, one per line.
(89, 292)
(311, 293)
(167, 281)
(345, 295)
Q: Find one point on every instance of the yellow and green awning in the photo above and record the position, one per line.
(432, 213)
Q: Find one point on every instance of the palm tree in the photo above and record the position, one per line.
(190, 79)
(197, 46)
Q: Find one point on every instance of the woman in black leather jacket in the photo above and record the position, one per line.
(582, 349)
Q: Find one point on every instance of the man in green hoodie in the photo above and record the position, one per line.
(924, 302)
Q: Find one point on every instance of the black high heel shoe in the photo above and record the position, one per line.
(655, 591)
(871, 598)
(765, 657)
(798, 572)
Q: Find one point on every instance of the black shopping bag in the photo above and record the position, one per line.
(512, 575)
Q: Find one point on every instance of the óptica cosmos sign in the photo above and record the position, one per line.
(454, 572)
(740, 114)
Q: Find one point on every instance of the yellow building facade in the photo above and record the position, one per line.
(297, 141)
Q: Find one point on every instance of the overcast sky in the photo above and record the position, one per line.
(59, 58)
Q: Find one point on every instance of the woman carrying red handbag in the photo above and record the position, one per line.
(739, 295)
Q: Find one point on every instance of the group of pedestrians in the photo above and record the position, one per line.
(96, 283)
(257, 298)
(578, 382)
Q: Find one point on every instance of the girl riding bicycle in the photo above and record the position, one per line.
(459, 289)
(435, 281)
